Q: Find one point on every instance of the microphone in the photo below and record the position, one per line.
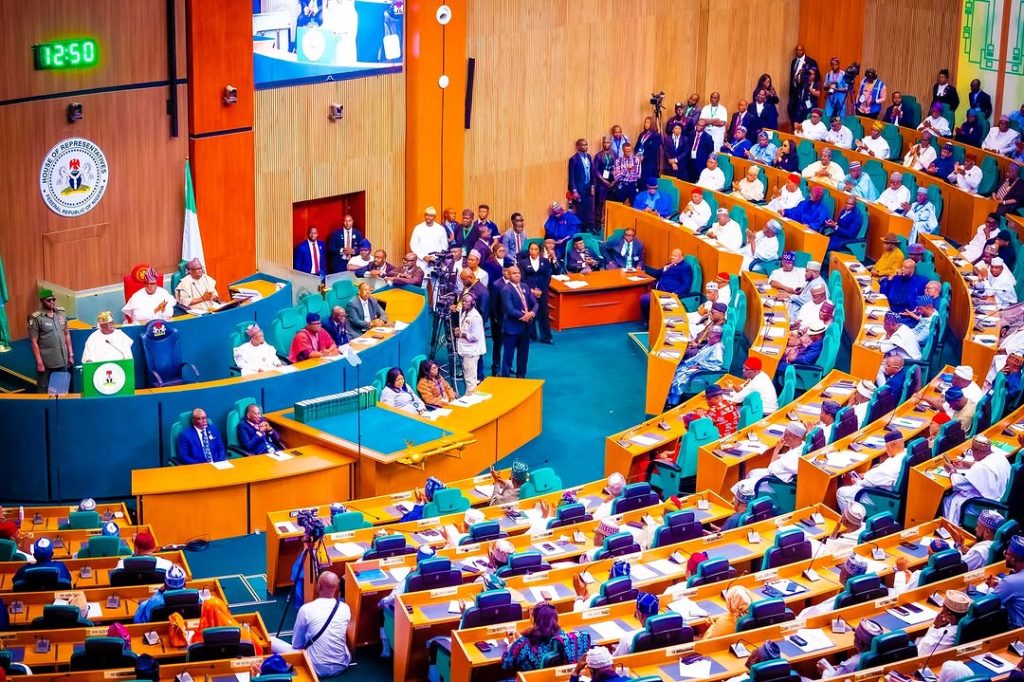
(923, 673)
(731, 582)
(351, 508)
(120, 352)
(809, 572)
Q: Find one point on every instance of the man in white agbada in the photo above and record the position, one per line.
(846, 534)
(612, 488)
(920, 155)
(787, 277)
(812, 277)
(981, 473)
(935, 122)
(726, 231)
(784, 457)
(989, 521)
(874, 144)
(813, 128)
(697, 213)
(999, 282)
(699, 319)
(712, 176)
(825, 171)
(151, 302)
(750, 186)
(896, 194)
(838, 134)
(256, 355)
(762, 245)
(1001, 139)
(757, 381)
(810, 312)
(107, 343)
(787, 196)
(882, 475)
(898, 336)
(967, 175)
(941, 634)
(428, 237)
(861, 398)
(972, 250)
(922, 212)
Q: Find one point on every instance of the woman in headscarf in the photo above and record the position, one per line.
(215, 614)
(969, 132)
(737, 602)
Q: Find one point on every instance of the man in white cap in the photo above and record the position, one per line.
(922, 212)
(920, 155)
(896, 195)
(762, 245)
(784, 458)
(151, 302)
(605, 528)
(256, 355)
(701, 317)
(998, 281)
(810, 312)
(742, 496)
(600, 662)
(197, 289)
(812, 278)
(613, 487)
(847, 532)
(697, 212)
(865, 633)
(107, 342)
(981, 473)
(941, 634)
(454, 534)
(726, 231)
(428, 238)
(712, 176)
(854, 566)
(824, 170)
(873, 144)
(861, 398)
(882, 476)
(989, 521)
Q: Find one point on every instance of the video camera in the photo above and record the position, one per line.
(312, 524)
(851, 73)
(445, 282)
(658, 102)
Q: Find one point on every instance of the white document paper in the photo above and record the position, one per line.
(644, 440)
(816, 640)
(636, 278)
(561, 278)
(577, 284)
(279, 456)
(700, 669)
(400, 573)
(95, 611)
(399, 325)
(485, 490)
(641, 572)
(608, 630)
(223, 465)
(349, 548)
(687, 609)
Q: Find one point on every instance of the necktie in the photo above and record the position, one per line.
(207, 453)
(316, 257)
(519, 242)
(586, 169)
(522, 297)
(348, 239)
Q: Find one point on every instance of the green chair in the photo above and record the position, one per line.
(854, 124)
(891, 134)
(286, 324)
(9, 551)
(807, 376)
(340, 293)
(350, 520)
(704, 378)
(998, 404)
(103, 546)
(178, 274)
(739, 214)
(805, 154)
(234, 418)
(669, 189)
(412, 375)
(667, 477)
(725, 163)
(782, 494)
(949, 115)
(876, 171)
(446, 501)
(590, 241)
(767, 266)
(912, 111)
(183, 421)
(541, 482)
(752, 410)
(84, 520)
(788, 391)
(738, 310)
(989, 176)
(840, 159)
(693, 299)
(525, 249)
(709, 197)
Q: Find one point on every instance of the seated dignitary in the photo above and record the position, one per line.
(364, 312)
(891, 260)
(787, 278)
(858, 183)
(989, 521)
(709, 358)
(903, 288)
(145, 545)
(838, 134)
(675, 278)
(922, 212)
(788, 196)
(201, 442)
(255, 434)
(720, 411)
(396, 393)
(941, 634)
(256, 355)
(812, 211)
(151, 302)
(336, 324)
(726, 231)
(853, 566)
(197, 289)
(824, 170)
(921, 155)
(312, 341)
(784, 457)
(756, 381)
(845, 228)
(712, 176)
(434, 389)
(967, 175)
(865, 633)
(980, 473)
(174, 579)
(805, 350)
(750, 186)
(882, 475)
(580, 258)
(998, 282)
(895, 196)
(762, 245)
(107, 343)
(696, 214)
(42, 555)
(625, 252)
(873, 144)
(653, 201)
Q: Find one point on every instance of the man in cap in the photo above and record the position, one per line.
(807, 349)
(197, 289)
(958, 406)
(824, 170)
(873, 144)
(989, 521)
(679, 116)
(428, 238)
(750, 187)
(255, 434)
(722, 412)
(764, 151)
(561, 225)
(310, 255)
(812, 211)
(647, 605)
(722, 279)
(827, 417)
(743, 494)
(605, 528)
(943, 165)
(921, 155)
(712, 177)
(343, 245)
(201, 442)
(613, 486)
(935, 122)
(788, 196)
(847, 532)
(507, 490)
(710, 358)
(320, 629)
(701, 330)
(784, 457)
(853, 567)
(788, 278)
(740, 145)
(726, 231)
(601, 667)
(362, 258)
(756, 381)
(653, 201)
(107, 342)
(42, 553)
(312, 341)
(881, 476)
(987, 477)
(898, 338)
(838, 134)
(999, 283)
(941, 634)
(809, 313)
(984, 235)
(151, 302)
(865, 633)
(620, 569)
(50, 340)
(967, 175)
(762, 245)
(858, 183)
(891, 260)
(1001, 139)
(697, 213)
(1010, 589)
(1003, 244)
(813, 128)
(255, 355)
(896, 196)
(174, 579)
(145, 546)
(860, 399)
(922, 212)
(454, 534)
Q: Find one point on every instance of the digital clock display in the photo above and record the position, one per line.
(78, 53)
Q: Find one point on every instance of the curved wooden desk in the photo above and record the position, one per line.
(100, 566)
(51, 517)
(223, 670)
(668, 336)
(865, 310)
(601, 297)
(767, 324)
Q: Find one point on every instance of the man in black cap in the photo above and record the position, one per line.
(51, 341)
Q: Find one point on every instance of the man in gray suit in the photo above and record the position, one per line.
(364, 312)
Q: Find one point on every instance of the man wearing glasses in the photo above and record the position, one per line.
(51, 341)
(409, 275)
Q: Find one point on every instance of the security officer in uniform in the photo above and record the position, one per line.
(51, 341)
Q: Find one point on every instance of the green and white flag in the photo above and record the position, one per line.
(191, 241)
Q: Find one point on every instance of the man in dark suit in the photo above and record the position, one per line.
(699, 147)
(255, 434)
(200, 442)
(648, 148)
(944, 92)
(675, 152)
(481, 296)
(536, 273)
(337, 326)
(342, 245)
(979, 99)
(895, 114)
(496, 290)
(798, 68)
(763, 115)
(580, 258)
(625, 252)
(466, 234)
(581, 184)
(311, 256)
(364, 312)
(520, 310)
(742, 117)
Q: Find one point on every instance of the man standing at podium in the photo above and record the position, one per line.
(198, 290)
(50, 339)
(107, 343)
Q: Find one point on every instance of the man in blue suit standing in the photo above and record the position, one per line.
(342, 245)
(310, 255)
(699, 146)
(581, 184)
(520, 309)
(200, 442)
(255, 434)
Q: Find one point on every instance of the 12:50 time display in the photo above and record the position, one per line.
(65, 54)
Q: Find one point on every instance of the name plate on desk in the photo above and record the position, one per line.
(564, 670)
(499, 629)
(467, 549)
(595, 613)
(793, 625)
(968, 649)
(974, 576)
(118, 674)
(444, 592)
(709, 539)
(398, 497)
(765, 576)
(96, 632)
(482, 478)
(428, 523)
(245, 662)
(908, 533)
(783, 520)
(885, 602)
(678, 650)
(542, 535)
(344, 535)
(535, 577)
(687, 593)
(392, 561)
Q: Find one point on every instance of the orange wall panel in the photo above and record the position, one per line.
(220, 40)
(829, 30)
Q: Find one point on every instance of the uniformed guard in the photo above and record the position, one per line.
(51, 341)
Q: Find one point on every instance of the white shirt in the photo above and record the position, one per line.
(989, 476)
(100, 347)
(936, 639)
(831, 174)
(357, 262)
(810, 314)
(695, 216)
(784, 466)
(893, 199)
(840, 138)
(969, 180)
(1000, 142)
(718, 113)
(729, 235)
(973, 249)
(141, 307)
(884, 475)
(762, 384)
(903, 338)
(786, 199)
(973, 392)
(1002, 287)
(925, 158)
(427, 239)
(876, 146)
(162, 564)
(254, 359)
(764, 248)
(471, 340)
(329, 654)
(812, 131)
(937, 123)
(191, 288)
(794, 279)
(725, 294)
(712, 178)
(751, 190)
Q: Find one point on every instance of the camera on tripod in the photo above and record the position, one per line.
(658, 102)
(445, 282)
(312, 525)
(851, 73)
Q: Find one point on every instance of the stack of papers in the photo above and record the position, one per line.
(399, 573)
(577, 284)
(226, 464)
(434, 414)
(698, 669)
(348, 548)
(641, 572)
(399, 325)
(645, 440)
(608, 630)
(841, 460)
(686, 608)
(561, 278)
(279, 456)
(637, 278)
(666, 567)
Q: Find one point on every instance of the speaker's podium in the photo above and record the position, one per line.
(108, 377)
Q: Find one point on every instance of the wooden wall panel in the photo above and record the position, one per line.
(829, 29)
(141, 210)
(908, 41)
(301, 155)
(132, 39)
(221, 42)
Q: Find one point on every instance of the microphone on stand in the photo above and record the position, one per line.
(120, 352)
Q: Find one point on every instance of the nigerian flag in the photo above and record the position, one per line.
(191, 242)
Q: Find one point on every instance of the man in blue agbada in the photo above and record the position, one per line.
(903, 288)
(811, 212)
(653, 201)
(710, 358)
(858, 183)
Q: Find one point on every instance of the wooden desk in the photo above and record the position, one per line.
(929, 481)
(50, 518)
(101, 568)
(67, 543)
(33, 602)
(608, 297)
(234, 501)
(865, 310)
(668, 337)
(213, 671)
(977, 324)
(721, 464)
(767, 323)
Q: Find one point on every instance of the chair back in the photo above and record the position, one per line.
(350, 520)
(179, 274)
(760, 509)
(860, 589)
(485, 531)
(752, 410)
(989, 176)
(815, 440)
(433, 574)
(235, 417)
(83, 520)
(541, 481)
(712, 571)
(102, 653)
(341, 293)
(446, 501)
(412, 375)
(616, 591)
(1001, 540)
(186, 602)
(678, 526)
(161, 350)
(568, 514)
(41, 579)
(102, 546)
(888, 648)
(136, 279)
(782, 494)
(490, 608)
(634, 496)
(788, 386)
(951, 434)
(60, 617)
(790, 547)
(523, 563)
(9, 550)
(986, 617)
(882, 403)
(774, 670)
(137, 570)
(619, 544)
(879, 526)
(219, 643)
(846, 423)
(183, 422)
(661, 631)
(765, 612)
(385, 546)
(942, 565)
(286, 324)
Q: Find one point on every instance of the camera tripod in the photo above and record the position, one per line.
(305, 571)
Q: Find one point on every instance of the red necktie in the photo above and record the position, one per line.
(519, 244)
(316, 257)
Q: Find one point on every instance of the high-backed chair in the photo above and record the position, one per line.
(446, 501)
(219, 643)
(41, 579)
(1001, 540)
(758, 510)
(385, 546)
(485, 531)
(860, 589)
(765, 612)
(102, 653)
(887, 649)
(541, 482)
(186, 602)
(877, 500)
(432, 574)
(340, 293)
(667, 477)
(568, 514)
(161, 350)
(878, 526)
(60, 617)
(986, 617)
(846, 423)
(9, 551)
(678, 526)
(82, 520)
(751, 410)
(692, 299)
(235, 417)
(790, 547)
(490, 607)
(523, 563)
(619, 544)
(104, 546)
(951, 434)
(781, 494)
(712, 571)
(634, 496)
(774, 670)
(661, 631)
(349, 520)
(616, 591)
(942, 565)
(137, 570)
(283, 328)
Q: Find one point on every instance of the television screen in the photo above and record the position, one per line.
(310, 41)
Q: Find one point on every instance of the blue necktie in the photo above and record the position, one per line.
(206, 446)
(586, 169)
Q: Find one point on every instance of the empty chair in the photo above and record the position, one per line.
(758, 510)
(541, 482)
(489, 608)
(764, 612)
(615, 545)
(860, 589)
(79, 520)
(775, 670)
(185, 602)
(348, 520)
(60, 617)
(679, 525)
(9, 551)
(886, 649)
(568, 514)
(385, 546)
(446, 501)
(846, 423)
(103, 653)
(634, 496)
(218, 643)
(137, 570)
(790, 546)
(942, 565)
(986, 617)
(879, 526)
(161, 349)
(663, 630)
(523, 563)
(483, 532)
(615, 591)
(41, 579)
(103, 546)
(712, 571)
(433, 574)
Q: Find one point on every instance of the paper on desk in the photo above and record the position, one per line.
(816, 640)
(926, 614)
(1005, 666)
(687, 609)
(769, 350)
(434, 414)
(561, 278)
(608, 630)
(697, 670)
(399, 573)
(287, 527)
(636, 278)
(665, 567)
(349, 548)
(399, 325)
(485, 490)
(669, 354)
(95, 611)
(644, 440)
(775, 332)
(641, 572)
(808, 409)
(279, 456)
(577, 284)
(842, 459)
(223, 465)
(285, 369)
(907, 422)
(364, 341)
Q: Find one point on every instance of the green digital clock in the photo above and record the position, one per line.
(77, 53)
